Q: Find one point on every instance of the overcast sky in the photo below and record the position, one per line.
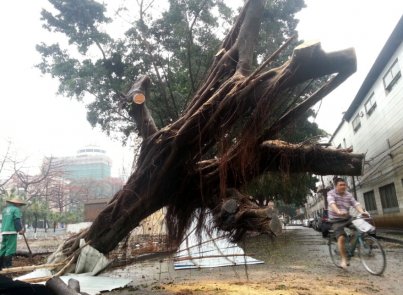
(40, 123)
(364, 25)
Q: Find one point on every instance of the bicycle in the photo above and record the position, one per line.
(370, 251)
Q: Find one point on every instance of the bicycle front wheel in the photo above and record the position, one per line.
(372, 255)
(334, 250)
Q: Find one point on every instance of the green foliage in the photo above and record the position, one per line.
(35, 210)
(79, 21)
(72, 216)
(278, 25)
(54, 217)
(289, 188)
(174, 49)
(39, 210)
(290, 210)
(302, 130)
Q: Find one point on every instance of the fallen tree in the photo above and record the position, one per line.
(225, 137)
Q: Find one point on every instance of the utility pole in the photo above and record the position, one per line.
(354, 190)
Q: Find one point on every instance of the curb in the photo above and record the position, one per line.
(390, 240)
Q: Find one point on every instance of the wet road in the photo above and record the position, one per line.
(297, 262)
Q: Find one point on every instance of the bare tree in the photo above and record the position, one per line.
(7, 160)
(36, 188)
(32, 185)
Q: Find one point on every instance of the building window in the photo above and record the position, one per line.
(357, 122)
(391, 76)
(370, 104)
(369, 200)
(389, 199)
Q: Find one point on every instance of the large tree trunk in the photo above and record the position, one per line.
(224, 139)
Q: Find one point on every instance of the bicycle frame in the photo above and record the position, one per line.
(370, 251)
(349, 246)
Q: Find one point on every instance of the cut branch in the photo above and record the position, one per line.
(237, 214)
(139, 92)
(281, 156)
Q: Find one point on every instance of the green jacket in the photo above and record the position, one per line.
(10, 214)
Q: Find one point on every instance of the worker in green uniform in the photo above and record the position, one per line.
(11, 226)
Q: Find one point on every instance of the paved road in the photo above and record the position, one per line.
(296, 262)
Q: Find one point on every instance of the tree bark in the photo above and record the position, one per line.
(280, 156)
(137, 95)
(286, 157)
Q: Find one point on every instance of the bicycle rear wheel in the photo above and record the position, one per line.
(333, 249)
(372, 255)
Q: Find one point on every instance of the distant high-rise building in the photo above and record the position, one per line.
(90, 162)
(88, 176)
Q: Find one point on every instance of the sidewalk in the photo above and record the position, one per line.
(390, 235)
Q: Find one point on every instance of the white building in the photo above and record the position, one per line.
(90, 162)
(373, 125)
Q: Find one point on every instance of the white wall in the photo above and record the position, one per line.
(380, 137)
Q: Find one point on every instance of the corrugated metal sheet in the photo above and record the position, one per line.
(212, 251)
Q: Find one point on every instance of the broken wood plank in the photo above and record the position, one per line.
(29, 268)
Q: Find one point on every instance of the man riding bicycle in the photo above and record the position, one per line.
(340, 201)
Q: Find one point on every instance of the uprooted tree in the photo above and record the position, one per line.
(225, 137)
